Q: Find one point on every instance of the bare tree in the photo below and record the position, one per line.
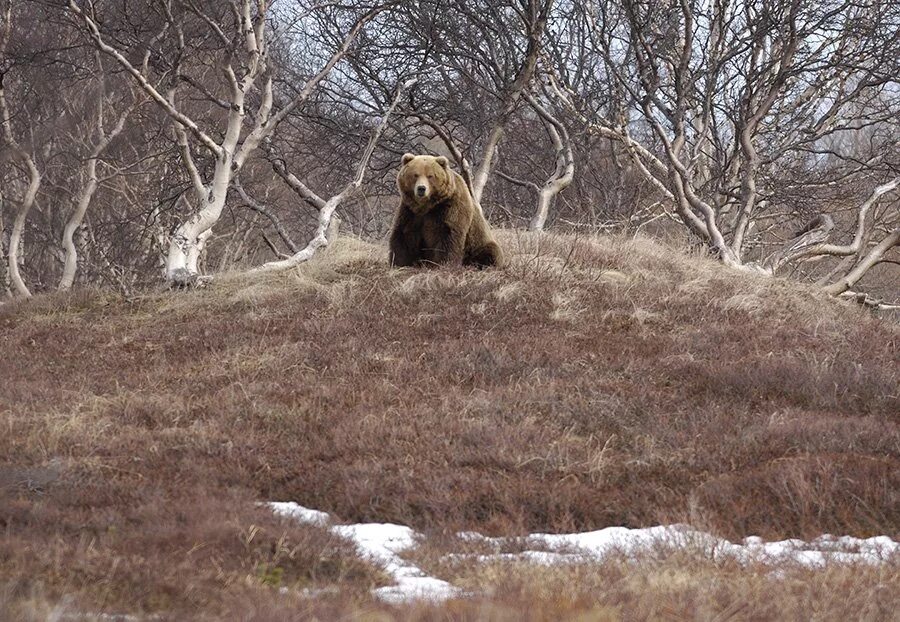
(325, 230)
(712, 102)
(564, 170)
(101, 137)
(34, 176)
(534, 15)
(475, 70)
(267, 212)
(731, 125)
(243, 36)
(5, 291)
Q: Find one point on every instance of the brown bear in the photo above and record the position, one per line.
(437, 221)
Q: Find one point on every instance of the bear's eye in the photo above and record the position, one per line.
(430, 176)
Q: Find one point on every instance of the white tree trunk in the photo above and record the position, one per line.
(856, 245)
(71, 261)
(325, 234)
(70, 266)
(545, 198)
(18, 229)
(187, 242)
(13, 256)
(564, 172)
(480, 179)
(196, 252)
(535, 23)
(5, 291)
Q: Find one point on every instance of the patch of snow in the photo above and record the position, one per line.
(822, 550)
(540, 558)
(595, 545)
(300, 513)
(383, 542)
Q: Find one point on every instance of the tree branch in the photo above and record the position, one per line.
(155, 95)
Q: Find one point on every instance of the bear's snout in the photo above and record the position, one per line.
(421, 190)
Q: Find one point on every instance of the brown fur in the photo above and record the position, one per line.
(442, 227)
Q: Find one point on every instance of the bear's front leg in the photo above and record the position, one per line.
(404, 243)
(401, 255)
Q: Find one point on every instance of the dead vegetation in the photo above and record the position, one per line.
(594, 382)
(681, 586)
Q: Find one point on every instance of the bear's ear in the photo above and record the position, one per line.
(442, 161)
(407, 158)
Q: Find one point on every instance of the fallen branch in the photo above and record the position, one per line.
(869, 301)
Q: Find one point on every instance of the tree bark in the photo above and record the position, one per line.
(18, 228)
(34, 184)
(5, 291)
(480, 178)
(856, 245)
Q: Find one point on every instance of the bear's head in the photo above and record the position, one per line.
(424, 180)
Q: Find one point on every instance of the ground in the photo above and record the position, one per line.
(592, 382)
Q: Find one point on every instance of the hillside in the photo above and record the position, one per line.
(593, 382)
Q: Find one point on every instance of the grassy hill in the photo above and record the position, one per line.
(593, 382)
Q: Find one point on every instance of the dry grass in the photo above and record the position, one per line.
(593, 382)
(678, 587)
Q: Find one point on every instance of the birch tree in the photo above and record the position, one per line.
(15, 242)
(325, 231)
(241, 32)
(107, 124)
(563, 172)
(716, 99)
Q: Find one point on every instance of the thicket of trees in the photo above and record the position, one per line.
(150, 139)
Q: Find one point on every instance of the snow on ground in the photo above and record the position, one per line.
(383, 542)
(594, 545)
